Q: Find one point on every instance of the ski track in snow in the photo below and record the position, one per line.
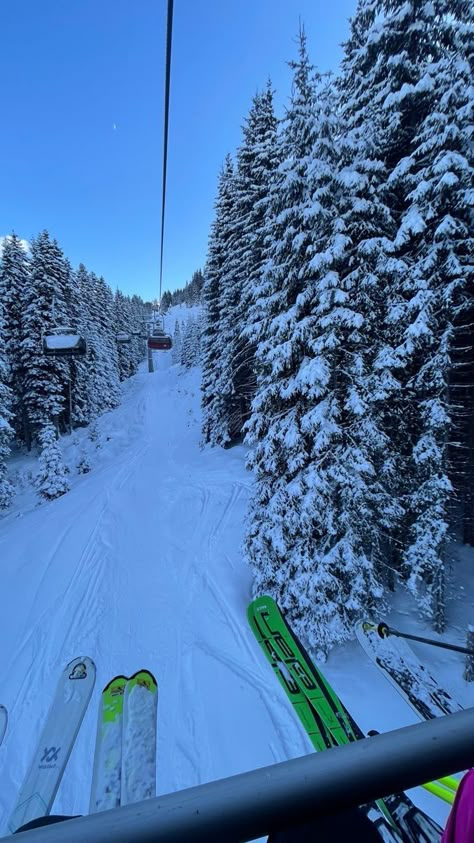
(140, 566)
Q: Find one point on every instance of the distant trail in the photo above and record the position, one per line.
(140, 565)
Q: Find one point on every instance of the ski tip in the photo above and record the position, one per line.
(80, 668)
(364, 626)
(264, 601)
(144, 673)
(367, 628)
(115, 679)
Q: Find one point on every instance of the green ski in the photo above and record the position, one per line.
(329, 721)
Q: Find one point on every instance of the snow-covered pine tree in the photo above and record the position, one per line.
(102, 352)
(44, 377)
(176, 349)
(266, 158)
(82, 410)
(108, 333)
(198, 322)
(88, 382)
(126, 356)
(14, 269)
(51, 480)
(166, 301)
(195, 288)
(256, 163)
(190, 344)
(394, 51)
(278, 451)
(323, 499)
(433, 184)
(305, 548)
(66, 313)
(185, 345)
(214, 429)
(138, 318)
(6, 431)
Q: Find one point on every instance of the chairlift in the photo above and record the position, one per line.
(63, 342)
(123, 338)
(158, 332)
(160, 343)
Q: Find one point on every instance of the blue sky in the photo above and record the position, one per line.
(82, 119)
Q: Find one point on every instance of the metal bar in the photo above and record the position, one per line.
(150, 361)
(70, 401)
(387, 630)
(251, 805)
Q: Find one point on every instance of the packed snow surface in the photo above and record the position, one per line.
(140, 566)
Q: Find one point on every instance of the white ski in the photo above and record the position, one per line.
(3, 722)
(407, 674)
(107, 771)
(139, 738)
(55, 743)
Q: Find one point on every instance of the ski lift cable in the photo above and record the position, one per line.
(169, 31)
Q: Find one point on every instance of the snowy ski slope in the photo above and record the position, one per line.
(140, 565)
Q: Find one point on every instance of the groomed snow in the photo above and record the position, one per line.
(140, 566)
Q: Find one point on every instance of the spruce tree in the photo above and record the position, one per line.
(126, 361)
(189, 348)
(256, 163)
(176, 349)
(66, 316)
(14, 269)
(82, 411)
(108, 333)
(89, 382)
(138, 318)
(51, 479)
(397, 71)
(214, 426)
(293, 539)
(44, 377)
(434, 237)
(6, 431)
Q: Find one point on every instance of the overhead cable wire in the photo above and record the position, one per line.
(169, 32)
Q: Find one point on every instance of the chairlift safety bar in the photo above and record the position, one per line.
(251, 805)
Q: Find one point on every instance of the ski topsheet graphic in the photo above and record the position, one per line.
(326, 719)
(57, 739)
(3, 722)
(107, 771)
(125, 753)
(407, 674)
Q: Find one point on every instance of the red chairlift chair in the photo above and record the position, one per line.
(161, 343)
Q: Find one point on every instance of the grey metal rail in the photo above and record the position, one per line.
(251, 805)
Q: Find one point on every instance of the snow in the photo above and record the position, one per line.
(140, 566)
(62, 341)
(24, 244)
